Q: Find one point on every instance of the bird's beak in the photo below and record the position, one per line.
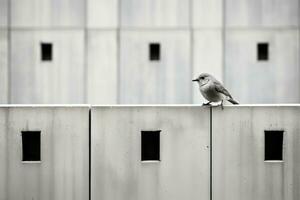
(195, 80)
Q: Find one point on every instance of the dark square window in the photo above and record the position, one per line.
(154, 51)
(46, 51)
(273, 145)
(262, 51)
(150, 145)
(31, 145)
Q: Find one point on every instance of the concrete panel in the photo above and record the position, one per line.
(47, 13)
(118, 173)
(102, 67)
(102, 13)
(207, 57)
(239, 170)
(164, 81)
(272, 13)
(64, 170)
(272, 81)
(207, 13)
(3, 13)
(3, 67)
(154, 13)
(58, 81)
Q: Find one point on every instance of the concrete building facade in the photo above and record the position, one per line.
(102, 152)
(100, 50)
(61, 172)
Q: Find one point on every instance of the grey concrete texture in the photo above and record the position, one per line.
(154, 82)
(35, 81)
(236, 152)
(207, 14)
(3, 13)
(154, 13)
(102, 76)
(63, 172)
(272, 81)
(47, 13)
(239, 170)
(102, 13)
(4, 73)
(100, 50)
(117, 170)
(257, 13)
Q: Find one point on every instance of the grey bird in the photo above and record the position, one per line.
(212, 90)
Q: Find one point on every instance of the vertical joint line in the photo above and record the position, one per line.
(85, 53)
(8, 64)
(191, 47)
(90, 160)
(118, 92)
(223, 39)
(210, 157)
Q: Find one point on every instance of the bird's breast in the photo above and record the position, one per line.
(209, 92)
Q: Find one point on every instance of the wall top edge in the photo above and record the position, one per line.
(136, 105)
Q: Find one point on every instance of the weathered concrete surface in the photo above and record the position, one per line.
(154, 13)
(257, 13)
(208, 57)
(207, 13)
(164, 81)
(63, 171)
(102, 13)
(61, 80)
(47, 13)
(272, 81)
(117, 170)
(239, 170)
(3, 13)
(102, 67)
(3, 67)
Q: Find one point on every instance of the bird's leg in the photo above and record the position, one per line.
(222, 105)
(206, 104)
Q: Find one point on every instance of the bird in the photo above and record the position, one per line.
(212, 90)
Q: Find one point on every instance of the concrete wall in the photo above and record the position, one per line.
(63, 171)
(207, 57)
(47, 13)
(164, 81)
(102, 13)
(239, 170)
(102, 67)
(4, 75)
(257, 13)
(3, 13)
(117, 170)
(58, 81)
(207, 13)
(154, 13)
(213, 36)
(253, 81)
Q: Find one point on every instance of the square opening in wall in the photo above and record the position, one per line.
(273, 145)
(262, 51)
(46, 51)
(154, 51)
(150, 146)
(31, 145)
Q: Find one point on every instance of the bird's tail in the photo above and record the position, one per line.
(233, 101)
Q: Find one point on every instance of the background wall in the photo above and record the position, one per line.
(101, 50)
(117, 170)
(192, 166)
(63, 171)
(239, 170)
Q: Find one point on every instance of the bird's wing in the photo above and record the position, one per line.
(220, 88)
